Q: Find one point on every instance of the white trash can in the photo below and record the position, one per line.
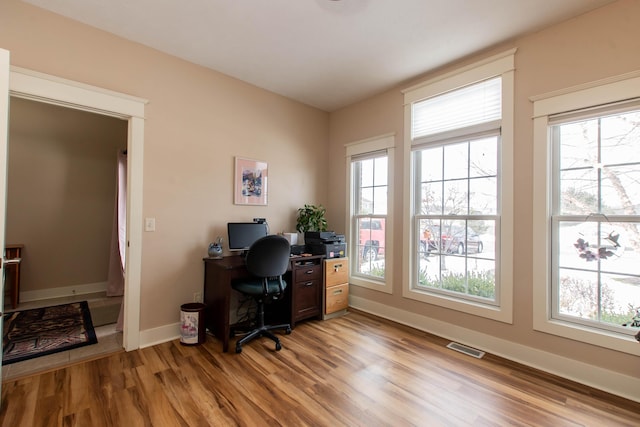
(192, 328)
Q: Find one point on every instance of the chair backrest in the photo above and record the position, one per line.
(268, 256)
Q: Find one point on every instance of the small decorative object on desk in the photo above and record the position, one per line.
(215, 249)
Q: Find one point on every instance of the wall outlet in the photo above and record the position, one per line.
(197, 297)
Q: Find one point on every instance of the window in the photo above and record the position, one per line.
(589, 140)
(460, 209)
(370, 242)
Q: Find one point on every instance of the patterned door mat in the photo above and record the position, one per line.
(47, 330)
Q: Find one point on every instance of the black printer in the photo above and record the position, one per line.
(326, 243)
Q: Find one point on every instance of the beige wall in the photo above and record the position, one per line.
(197, 120)
(597, 45)
(61, 192)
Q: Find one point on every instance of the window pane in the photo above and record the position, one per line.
(455, 198)
(481, 239)
(380, 200)
(483, 196)
(620, 298)
(578, 145)
(365, 202)
(371, 186)
(579, 192)
(621, 189)
(431, 203)
(366, 174)
(578, 294)
(380, 168)
(620, 136)
(431, 160)
(371, 246)
(483, 157)
(577, 241)
(456, 161)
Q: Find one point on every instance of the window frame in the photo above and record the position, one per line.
(500, 65)
(358, 149)
(581, 97)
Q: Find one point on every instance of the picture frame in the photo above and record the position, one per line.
(250, 182)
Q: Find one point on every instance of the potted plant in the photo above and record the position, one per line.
(311, 218)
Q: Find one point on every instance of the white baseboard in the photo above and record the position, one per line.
(159, 335)
(593, 376)
(66, 291)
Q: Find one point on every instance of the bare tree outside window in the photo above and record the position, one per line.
(596, 218)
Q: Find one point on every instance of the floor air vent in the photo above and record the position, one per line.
(466, 350)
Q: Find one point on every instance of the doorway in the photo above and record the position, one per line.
(61, 195)
(50, 89)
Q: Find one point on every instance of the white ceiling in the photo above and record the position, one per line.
(324, 53)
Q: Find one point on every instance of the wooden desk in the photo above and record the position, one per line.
(11, 264)
(302, 300)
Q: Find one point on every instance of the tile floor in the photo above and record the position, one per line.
(109, 341)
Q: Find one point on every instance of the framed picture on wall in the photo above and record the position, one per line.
(251, 179)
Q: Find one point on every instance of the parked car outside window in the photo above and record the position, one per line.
(372, 236)
(452, 240)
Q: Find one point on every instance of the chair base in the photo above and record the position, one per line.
(263, 331)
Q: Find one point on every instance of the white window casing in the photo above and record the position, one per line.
(503, 66)
(565, 103)
(360, 150)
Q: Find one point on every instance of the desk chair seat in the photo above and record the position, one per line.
(267, 260)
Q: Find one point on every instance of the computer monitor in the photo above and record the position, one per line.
(243, 234)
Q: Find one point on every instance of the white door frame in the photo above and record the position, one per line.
(66, 93)
(4, 134)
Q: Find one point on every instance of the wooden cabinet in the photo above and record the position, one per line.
(306, 288)
(336, 292)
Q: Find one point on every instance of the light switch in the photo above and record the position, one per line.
(149, 224)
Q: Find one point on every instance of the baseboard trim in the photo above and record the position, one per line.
(583, 373)
(61, 292)
(159, 335)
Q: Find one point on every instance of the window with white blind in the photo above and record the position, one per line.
(369, 165)
(460, 209)
(587, 217)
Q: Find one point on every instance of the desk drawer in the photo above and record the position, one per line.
(307, 272)
(307, 301)
(337, 298)
(336, 271)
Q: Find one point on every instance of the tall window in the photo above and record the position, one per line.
(596, 218)
(456, 217)
(460, 175)
(370, 235)
(593, 217)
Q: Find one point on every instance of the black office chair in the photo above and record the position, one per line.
(267, 260)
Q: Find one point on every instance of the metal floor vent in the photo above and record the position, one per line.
(466, 350)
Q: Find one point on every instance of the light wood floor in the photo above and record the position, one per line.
(354, 370)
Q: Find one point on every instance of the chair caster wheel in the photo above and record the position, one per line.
(278, 346)
(287, 331)
(238, 349)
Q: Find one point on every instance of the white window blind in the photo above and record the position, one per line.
(471, 105)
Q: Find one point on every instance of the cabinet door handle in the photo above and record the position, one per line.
(337, 291)
(308, 272)
(308, 284)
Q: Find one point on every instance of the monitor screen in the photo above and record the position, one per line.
(243, 234)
